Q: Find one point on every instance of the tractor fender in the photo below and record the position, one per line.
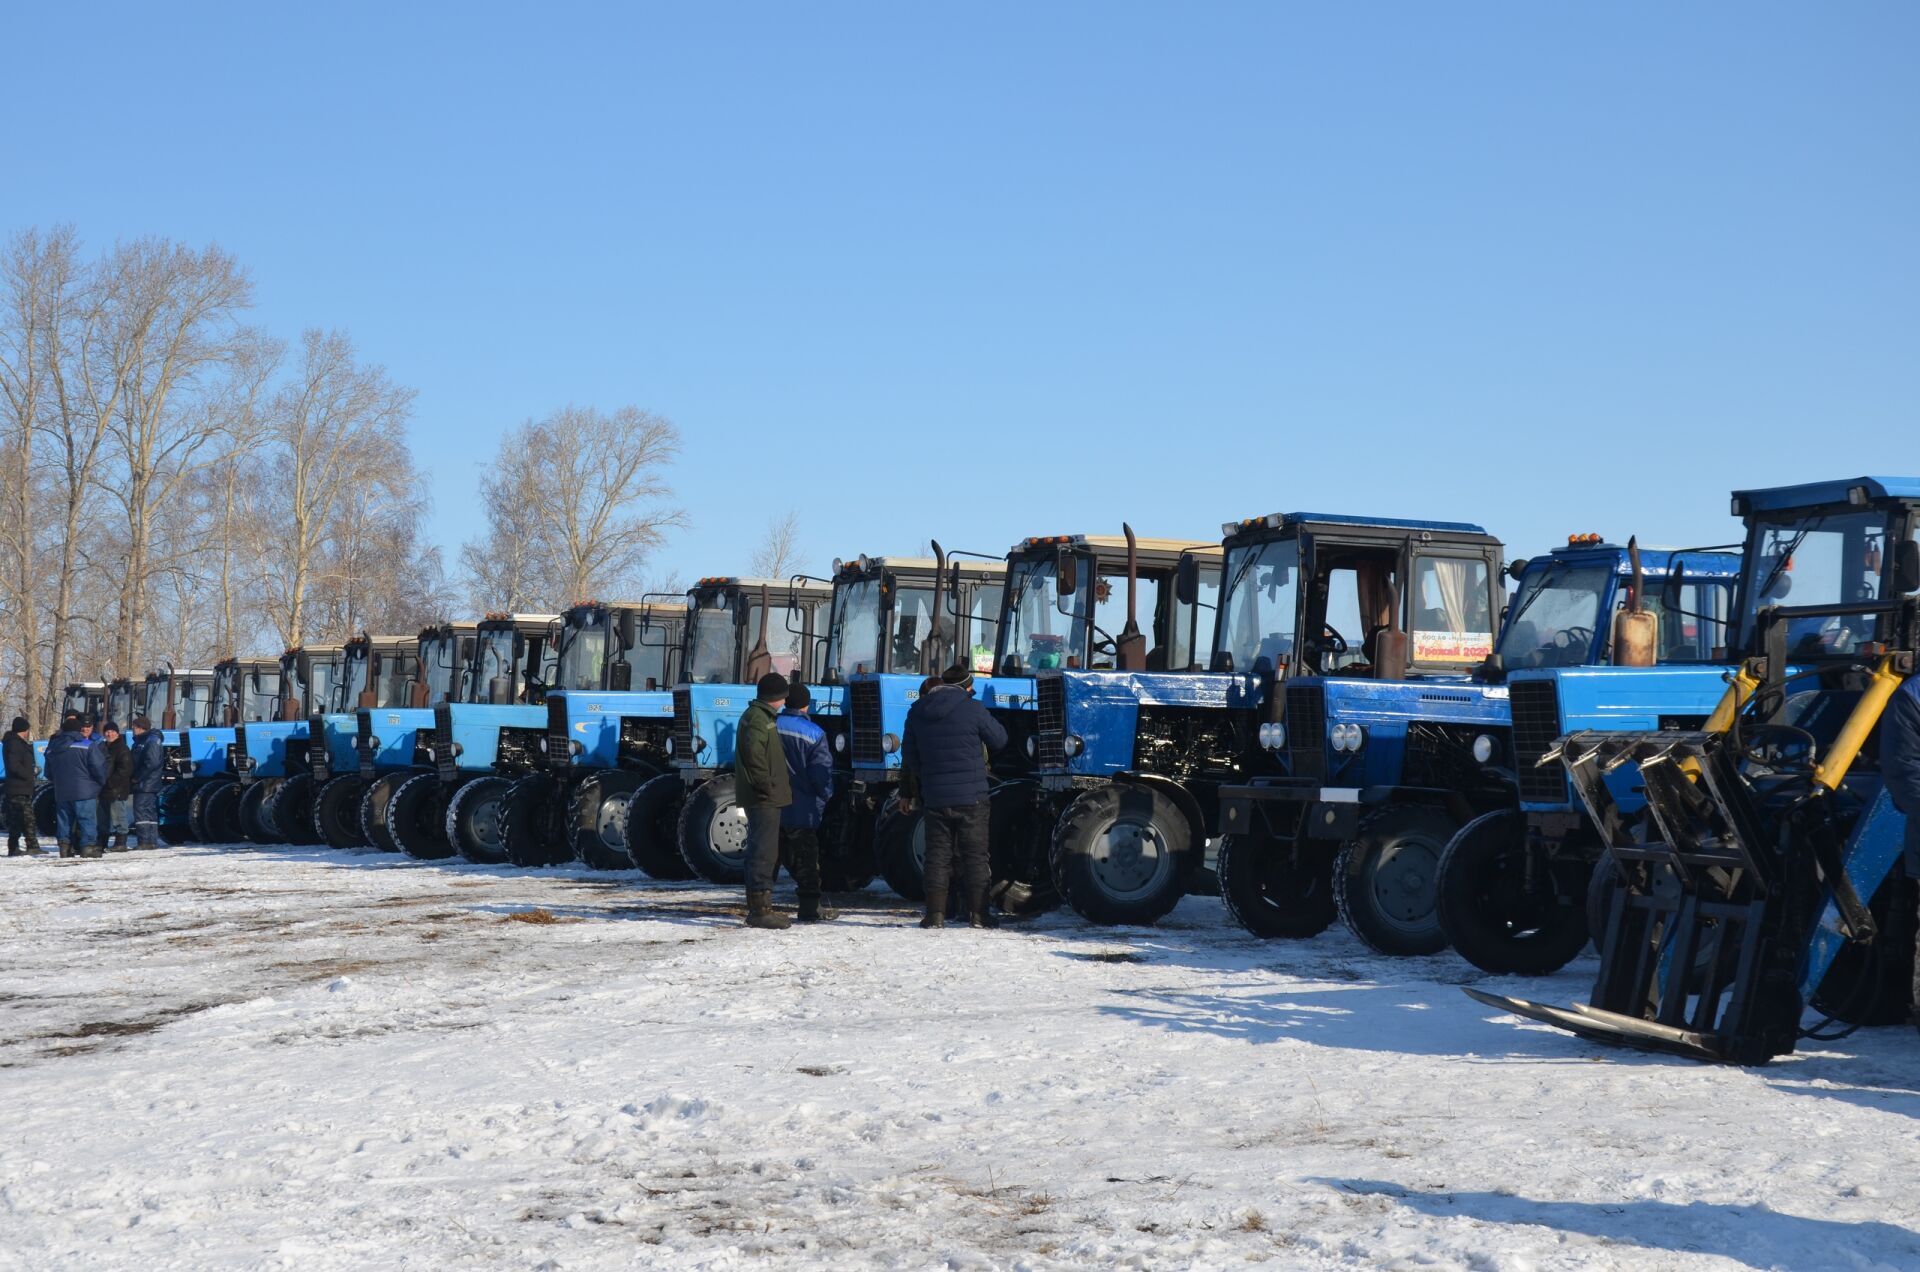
(1181, 797)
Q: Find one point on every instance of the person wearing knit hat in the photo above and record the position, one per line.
(149, 775)
(19, 791)
(946, 743)
(116, 792)
(761, 789)
(810, 777)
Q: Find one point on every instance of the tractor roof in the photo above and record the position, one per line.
(967, 565)
(805, 587)
(1115, 544)
(1653, 560)
(1855, 490)
(1278, 520)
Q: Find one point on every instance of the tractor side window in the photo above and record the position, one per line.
(1830, 560)
(1344, 635)
(1110, 613)
(982, 620)
(1193, 624)
(912, 620)
(1695, 632)
(1451, 615)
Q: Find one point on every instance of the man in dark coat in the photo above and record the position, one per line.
(149, 775)
(810, 777)
(948, 736)
(19, 791)
(761, 788)
(116, 792)
(77, 767)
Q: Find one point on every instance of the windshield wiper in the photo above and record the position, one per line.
(1552, 572)
(1780, 565)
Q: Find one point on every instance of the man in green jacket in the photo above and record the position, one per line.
(761, 788)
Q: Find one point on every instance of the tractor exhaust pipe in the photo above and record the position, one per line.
(168, 717)
(1636, 629)
(1130, 650)
(931, 653)
(759, 661)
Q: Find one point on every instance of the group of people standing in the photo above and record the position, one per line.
(106, 792)
(783, 778)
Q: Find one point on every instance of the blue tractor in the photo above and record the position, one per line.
(180, 704)
(267, 753)
(1766, 875)
(893, 622)
(376, 672)
(348, 805)
(1512, 884)
(490, 732)
(608, 724)
(244, 689)
(738, 629)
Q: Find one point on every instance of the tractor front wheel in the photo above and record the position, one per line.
(1276, 891)
(291, 811)
(653, 828)
(413, 818)
(1020, 848)
(373, 809)
(473, 820)
(254, 821)
(531, 827)
(176, 805)
(1384, 879)
(1505, 904)
(600, 806)
(336, 812)
(900, 842)
(215, 812)
(1123, 854)
(46, 814)
(713, 832)
(846, 844)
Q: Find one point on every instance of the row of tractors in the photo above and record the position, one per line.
(1377, 720)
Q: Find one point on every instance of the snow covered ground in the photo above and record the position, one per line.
(283, 1058)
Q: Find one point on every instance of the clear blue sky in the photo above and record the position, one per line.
(975, 272)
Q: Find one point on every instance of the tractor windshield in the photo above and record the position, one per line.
(853, 639)
(493, 660)
(224, 697)
(1036, 632)
(713, 641)
(1258, 602)
(322, 675)
(1556, 617)
(346, 691)
(397, 672)
(262, 700)
(652, 653)
(192, 704)
(154, 699)
(1821, 561)
(583, 657)
(120, 699)
(438, 656)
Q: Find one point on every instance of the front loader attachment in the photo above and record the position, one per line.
(1708, 948)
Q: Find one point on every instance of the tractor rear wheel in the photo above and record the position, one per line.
(414, 818)
(46, 816)
(373, 809)
(599, 822)
(653, 828)
(900, 842)
(531, 828)
(1020, 848)
(215, 812)
(1123, 853)
(291, 810)
(254, 822)
(336, 812)
(713, 832)
(473, 820)
(1275, 890)
(1505, 904)
(1384, 879)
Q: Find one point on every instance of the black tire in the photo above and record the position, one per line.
(1384, 879)
(336, 812)
(599, 822)
(291, 810)
(176, 809)
(1490, 914)
(532, 829)
(900, 842)
(653, 828)
(46, 813)
(1123, 853)
(847, 862)
(1020, 851)
(1274, 891)
(713, 832)
(374, 799)
(473, 820)
(415, 818)
(254, 822)
(216, 812)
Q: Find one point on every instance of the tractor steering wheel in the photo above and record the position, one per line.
(1569, 637)
(1339, 645)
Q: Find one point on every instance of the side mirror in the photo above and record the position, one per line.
(1906, 566)
(1516, 568)
(1186, 579)
(1068, 567)
(627, 630)
(1670, 587)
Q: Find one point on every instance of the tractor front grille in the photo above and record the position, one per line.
(1306, 721)
(1536, 725)
(557, 736)
(363, 744)
(238, 760)
(443, 758)
(683, 750)
(863, 708)
(1441, 755)
(1050, 720)
(319, 762)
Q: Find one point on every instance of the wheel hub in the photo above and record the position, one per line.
(728, 830)
(484, 826)
(1130, 858)
(1403, 881)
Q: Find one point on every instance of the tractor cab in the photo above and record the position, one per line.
(84, 698)
(1765, 877)
(274, 749)
(244, 689)
(179, 700)
(179, 703)
(124, 697)
(377, 673)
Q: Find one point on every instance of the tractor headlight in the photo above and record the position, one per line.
(574, 747)
(1482, 749)
(670, 742)
(889, 743)
(1033, 746)
(840, 743)
(1273, 736)
(1073, 745)
(1347, 737)
(459, 748)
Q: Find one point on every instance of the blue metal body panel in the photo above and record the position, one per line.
(476, 730)
(1814, 494)
(1102, 709)
(1873, 850)
(395, 734)
(1384, 708)
(206, 748)
(267, 745)
(1623, 699)
(593, 720)
(340, 735)
(715, 713)
(1011, 693)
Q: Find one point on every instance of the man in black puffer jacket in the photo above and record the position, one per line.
(945, 733)
(116, 792)
(20, 783)
(149, 775)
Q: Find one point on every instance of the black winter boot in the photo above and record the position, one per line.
(761, 914)
(66, 849)
(935, 917)
(93, 851)
(811, 911)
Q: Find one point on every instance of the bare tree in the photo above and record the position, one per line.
(574, 504)
(778, 555)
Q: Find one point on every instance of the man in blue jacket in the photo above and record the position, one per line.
(149, 774)
(810, 774)
(77, 767)
(948, 736)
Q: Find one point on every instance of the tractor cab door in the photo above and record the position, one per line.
(1349, 597)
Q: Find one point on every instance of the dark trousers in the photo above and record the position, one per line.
(146, 819)
(20, 823)
(763, 848)
(114, 817)
(801, 845)
(957, 841)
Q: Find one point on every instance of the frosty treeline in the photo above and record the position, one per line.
(177, 483)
